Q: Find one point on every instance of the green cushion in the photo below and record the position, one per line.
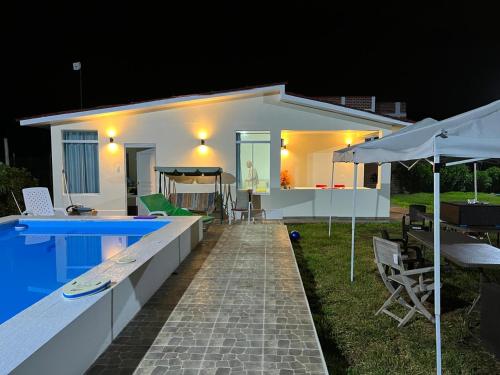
(181, 212)
(158, 202)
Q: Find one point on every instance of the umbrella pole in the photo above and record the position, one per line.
(331, 203)
(353, 222)
(475, 182)
(437, 260)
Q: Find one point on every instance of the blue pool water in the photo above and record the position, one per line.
(40, 259)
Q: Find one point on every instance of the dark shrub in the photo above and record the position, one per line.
(494, 173)
(13, 179)
(483, 182)
(417, 179)
(456, 178)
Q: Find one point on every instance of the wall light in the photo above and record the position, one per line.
(284, 151)
(202, 148)
(202, 134)
(112, 147)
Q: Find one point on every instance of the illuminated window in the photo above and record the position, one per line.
(253, 156)
(308, 159)
(81, 161)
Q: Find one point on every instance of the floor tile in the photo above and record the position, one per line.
(243, 313)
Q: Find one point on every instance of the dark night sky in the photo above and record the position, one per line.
(441, 58)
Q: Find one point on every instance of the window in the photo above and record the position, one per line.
(253, 156)
(307, 159)
(81, 161)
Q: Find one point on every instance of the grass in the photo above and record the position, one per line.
(404, 200)
(354, 340)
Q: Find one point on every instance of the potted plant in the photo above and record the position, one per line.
(285, 179)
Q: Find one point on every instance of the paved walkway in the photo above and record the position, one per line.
(244, 313)
(125, 353)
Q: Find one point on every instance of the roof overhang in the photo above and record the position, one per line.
(316, 104)
(76, 116)
(155, 105)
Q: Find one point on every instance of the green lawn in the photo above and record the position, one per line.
(357, 342)
(404, 200)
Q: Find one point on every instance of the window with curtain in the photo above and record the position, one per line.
(253, 158)
(81, 161)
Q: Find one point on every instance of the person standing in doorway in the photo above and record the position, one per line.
(252, 180)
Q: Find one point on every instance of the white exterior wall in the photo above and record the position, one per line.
(175, 132)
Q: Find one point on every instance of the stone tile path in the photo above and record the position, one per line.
(245, 312)
(125, 353)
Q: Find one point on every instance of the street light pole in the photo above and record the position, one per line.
(77, 66)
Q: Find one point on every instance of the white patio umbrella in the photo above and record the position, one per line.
(468, 137)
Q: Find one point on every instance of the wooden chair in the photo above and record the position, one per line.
(414, 219)
(412, 254)
(399, 281)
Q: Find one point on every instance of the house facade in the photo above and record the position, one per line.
(263, 136)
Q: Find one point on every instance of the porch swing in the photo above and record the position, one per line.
(197, 202)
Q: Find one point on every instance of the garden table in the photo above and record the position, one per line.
(466, 228)
(462, 250)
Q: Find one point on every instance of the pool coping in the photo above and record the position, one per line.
(28, 331)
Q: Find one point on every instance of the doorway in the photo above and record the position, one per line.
(140, 161)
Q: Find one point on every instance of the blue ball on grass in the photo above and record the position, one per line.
(294, 235)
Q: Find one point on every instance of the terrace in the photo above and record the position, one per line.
(245, 311)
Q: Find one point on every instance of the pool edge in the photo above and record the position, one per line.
(56, 335)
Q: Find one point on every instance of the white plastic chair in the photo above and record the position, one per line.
(244, 204)
(37, 202)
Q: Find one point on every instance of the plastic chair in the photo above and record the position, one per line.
(243, 197)
(38, 202)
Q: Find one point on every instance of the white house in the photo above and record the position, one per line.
(108, 153)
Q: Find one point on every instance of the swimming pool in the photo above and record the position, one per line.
(36, 261)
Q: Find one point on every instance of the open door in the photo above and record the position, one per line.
(146, 161)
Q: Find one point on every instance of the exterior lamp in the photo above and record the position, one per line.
(111, 133)
(112, 146)
(284, 151)
(202, 148)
